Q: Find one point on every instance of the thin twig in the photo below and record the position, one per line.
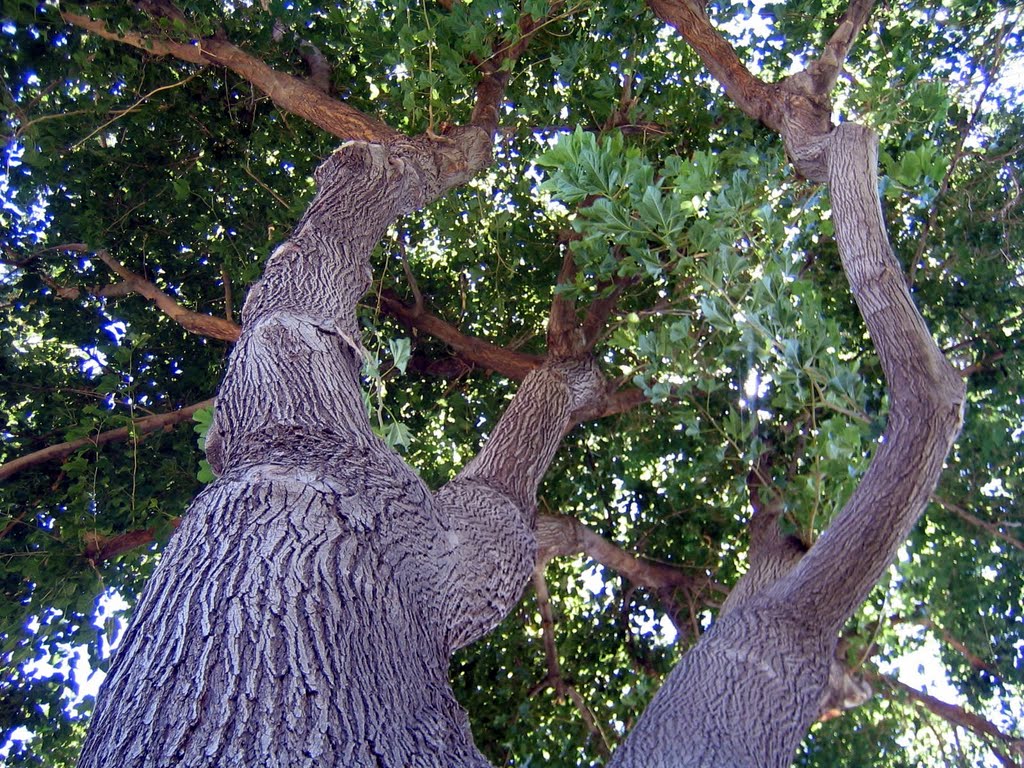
(118, 114)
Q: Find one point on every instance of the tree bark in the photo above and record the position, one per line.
(746, 694)
(306, 610)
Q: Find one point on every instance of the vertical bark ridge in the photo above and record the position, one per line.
(301, 637)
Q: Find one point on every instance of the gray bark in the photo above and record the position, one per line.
(306, 611)
(746, 694)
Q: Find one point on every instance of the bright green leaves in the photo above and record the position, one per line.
(383, 420)
(924, 166)
(623, 202)
(741, 345)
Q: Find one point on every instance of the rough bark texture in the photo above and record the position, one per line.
(745, 695)
(305, 613)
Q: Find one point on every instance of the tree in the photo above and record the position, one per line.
(307, 608)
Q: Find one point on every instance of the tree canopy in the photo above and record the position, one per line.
(156, 154)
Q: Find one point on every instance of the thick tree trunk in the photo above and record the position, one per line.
(746, 694)
(306, 611)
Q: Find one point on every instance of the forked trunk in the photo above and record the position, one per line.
(306, 610)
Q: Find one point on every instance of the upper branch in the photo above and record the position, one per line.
(797, 107)
(62, 450)
(751, 94)
(961, 717)
(196, 322)
(926, 400)
(292, 94)
(508, 362)
(830, 63)
(495, 70)
(562, 535)
(318, 65)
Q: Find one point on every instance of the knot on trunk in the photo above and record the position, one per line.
(587, 386)
(809, 154)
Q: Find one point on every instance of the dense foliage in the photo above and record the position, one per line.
(733, 318)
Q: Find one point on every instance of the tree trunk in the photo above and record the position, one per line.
(746, 694)
(307, 609)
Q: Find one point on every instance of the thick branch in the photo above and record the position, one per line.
(564, 535)
(771, 654)
(139, 426)
(771, 555)
(490, 506)
(926, 396)
(751, 95)
(625, 399)
(826, 69)
(564, 339)
(528, 434)
(292, 94)
(799, 106)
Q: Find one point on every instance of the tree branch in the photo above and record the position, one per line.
(564, 535)
(991, 528)
(292, 94)
(316, 62)
(798, 107)
(554, 678)
(139, 426)
(507, 362)
(771, 555)
(956, 715)
(926, 396)
(621, 401)
(825, 70)
(564, 339)
(496, 70)
(194, 322)
(101, 548)
(751, 95)
(957, 645)
(199, 323)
